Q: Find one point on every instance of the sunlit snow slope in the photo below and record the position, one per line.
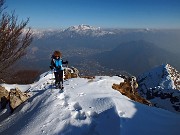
(86, 107)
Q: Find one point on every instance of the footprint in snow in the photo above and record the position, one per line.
(77, 112)
(74, 106)
(92, 114)
(79, 115)
(65, 103)
(121, 113)
(42, 86)
(81, 94)
(61, 96)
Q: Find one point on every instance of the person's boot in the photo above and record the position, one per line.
(61, 86)
(57, 85)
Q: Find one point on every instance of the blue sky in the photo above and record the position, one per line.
(98, 13)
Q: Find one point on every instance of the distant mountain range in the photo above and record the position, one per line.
(109, 51)
(72, 32)
(161, 85)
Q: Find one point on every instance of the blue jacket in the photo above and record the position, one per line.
(56, 64)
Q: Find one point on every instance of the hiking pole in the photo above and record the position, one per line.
(66, 62)
(51, 79)
(47, 73)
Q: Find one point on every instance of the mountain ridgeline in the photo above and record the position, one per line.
(136, 57)
(108, 51)
(89, 104)
(161, 86)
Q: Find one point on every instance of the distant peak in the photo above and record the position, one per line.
(87, 30)
(164, 75)
(83, 27)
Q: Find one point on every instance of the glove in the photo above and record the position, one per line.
(51, 67)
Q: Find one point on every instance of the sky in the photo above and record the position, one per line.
(98, 13)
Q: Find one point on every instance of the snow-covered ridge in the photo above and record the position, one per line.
(161, 86)
(39, 33)
(164, 76)
(85, 107)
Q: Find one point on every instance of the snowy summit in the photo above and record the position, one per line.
(87, 30)
(85, 107)
(82, 27)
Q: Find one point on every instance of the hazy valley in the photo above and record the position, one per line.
(96, 51)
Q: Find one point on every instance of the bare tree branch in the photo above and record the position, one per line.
(14, 38)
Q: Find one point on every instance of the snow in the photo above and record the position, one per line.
(159, 76)
(88, 30)
(161, 83)
(82, 27)
(84, 108)
(23, 88)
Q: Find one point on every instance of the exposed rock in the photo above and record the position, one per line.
(175, 76)
(16, 97)
(75, 73)
(88, 77)
(3, 92)
(71, 73)
(4, 97)
(67, 73)
(129, 89)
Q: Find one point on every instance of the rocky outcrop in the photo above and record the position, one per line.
(4, 97)
(129, 89)
(174, 75)
(3, 93)
(71, 73)
(14, 98)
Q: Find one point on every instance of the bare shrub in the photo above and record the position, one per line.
(24, 77)
(14, 39)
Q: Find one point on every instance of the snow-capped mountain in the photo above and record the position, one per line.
(82, 27)
(41, 33)
(73, 31)
(161, 86)
(85, 107)
(86, 30)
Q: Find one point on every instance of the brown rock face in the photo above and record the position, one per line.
(4, 97)
(129, 89)
(71, 73)
(15, 97)
(3, 93)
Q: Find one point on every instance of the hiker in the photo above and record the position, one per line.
(56, 65)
